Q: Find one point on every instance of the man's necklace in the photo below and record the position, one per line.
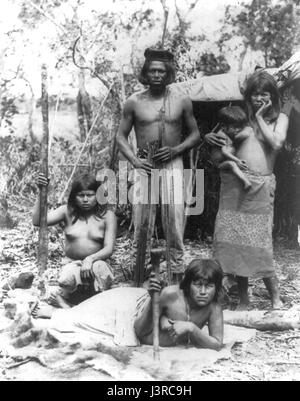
(157, 105)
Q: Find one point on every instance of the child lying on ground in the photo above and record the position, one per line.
(233, 121)
(186, 309)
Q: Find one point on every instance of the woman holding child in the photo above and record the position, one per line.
(243, 229)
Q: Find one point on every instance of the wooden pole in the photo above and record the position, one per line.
(155, 258)
(147, 218)
(169, 196)
(43, 231)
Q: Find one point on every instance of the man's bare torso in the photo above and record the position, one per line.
(175, 307)
(148, 120)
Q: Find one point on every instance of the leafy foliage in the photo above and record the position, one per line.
(211, 64)
(8, 109)
(264, 26)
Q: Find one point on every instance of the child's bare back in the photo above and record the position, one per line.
(233, 122)
(225, 158)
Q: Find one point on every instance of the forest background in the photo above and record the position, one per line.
(94, 52)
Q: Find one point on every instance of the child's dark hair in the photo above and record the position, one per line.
(170, 67)
(262, 81)
(83, 182)
(207, 269)
(233, 115)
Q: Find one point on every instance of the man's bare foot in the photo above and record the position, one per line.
(58, 301)
(42, 311)
(277, 304)
(271, 284)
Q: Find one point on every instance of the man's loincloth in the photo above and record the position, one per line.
(244, 223)
(167, 192)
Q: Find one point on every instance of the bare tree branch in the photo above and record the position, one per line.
(192, 6)
(40, 10)
(5, 81)
(8, 33)
(179, 15)
(92, 71)
(82, 58)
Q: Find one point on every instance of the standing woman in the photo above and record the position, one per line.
(90, 232)
(244, 223)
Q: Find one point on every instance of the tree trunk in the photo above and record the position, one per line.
(131, 137)
(43, 232)
(31, 109)
(80, 117)
(266, 58)
(84, 108)
(263, 320)
(242, 57)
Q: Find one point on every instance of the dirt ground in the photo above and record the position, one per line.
(269, 356)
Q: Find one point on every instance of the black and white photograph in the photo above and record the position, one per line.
(149, 193)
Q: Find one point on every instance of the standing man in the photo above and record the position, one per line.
(157, 115)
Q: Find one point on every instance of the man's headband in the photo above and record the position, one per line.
(158, 55)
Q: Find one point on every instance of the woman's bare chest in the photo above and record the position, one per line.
(91, 228)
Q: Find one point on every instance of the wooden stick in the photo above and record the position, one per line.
(170, 207)
(169, 198)
(155, 258)
(215, 127)
(147, 215)
(52, 125)
(191, 183)
(43, 231)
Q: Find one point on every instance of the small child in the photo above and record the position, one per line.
(233, 121)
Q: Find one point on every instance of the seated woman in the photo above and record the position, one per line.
(186, 308)
(90, 233)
